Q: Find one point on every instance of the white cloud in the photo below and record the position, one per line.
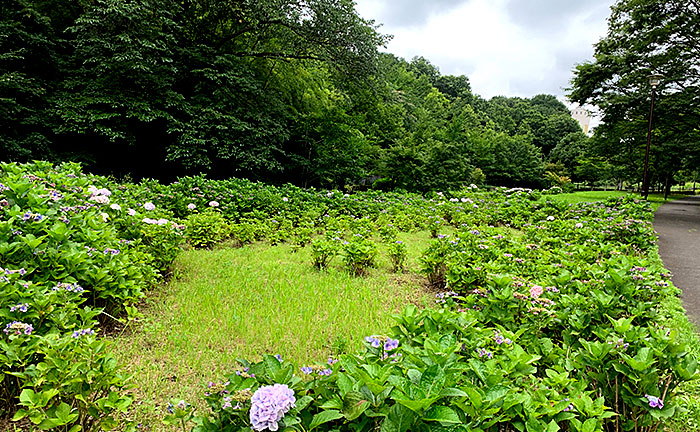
(503, 49)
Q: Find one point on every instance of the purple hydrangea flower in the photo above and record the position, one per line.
(22, 307)
(82, 332)
(376, 343)
(483, 353)
(227, 402)
(17, 327)
(307, 369)
(149, 206)
(191, 206)
(269, 405)
(391, 344)
(655, 402)
(213, 204)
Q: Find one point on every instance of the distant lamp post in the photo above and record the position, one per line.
(654, 80)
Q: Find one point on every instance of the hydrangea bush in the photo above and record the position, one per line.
(74, 255)
(549, 321)
(547, 318)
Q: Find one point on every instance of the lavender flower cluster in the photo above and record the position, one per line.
(443, 296)
(484, 353)
(499, 339)
(36, 217)
(18, 328)
(83, 332)
(21, 271)
(22, 307)
(269, 405)
(375, 342)
(68, 287)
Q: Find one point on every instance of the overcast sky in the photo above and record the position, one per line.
(505, 47)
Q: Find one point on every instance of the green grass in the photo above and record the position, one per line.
(235, 303)
(656, 200)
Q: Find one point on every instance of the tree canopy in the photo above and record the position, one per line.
(645, 37)
(279, 90)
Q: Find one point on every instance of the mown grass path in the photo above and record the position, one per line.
(677, 223)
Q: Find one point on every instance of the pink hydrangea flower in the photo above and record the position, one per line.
(536, 291)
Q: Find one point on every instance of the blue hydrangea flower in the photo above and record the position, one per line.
(17, 328)
(83, 332)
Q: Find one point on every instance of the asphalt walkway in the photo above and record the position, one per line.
(678, 225)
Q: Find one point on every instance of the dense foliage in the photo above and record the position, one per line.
(273, 90)
(73, 260)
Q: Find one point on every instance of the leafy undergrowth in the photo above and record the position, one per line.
(233, 303)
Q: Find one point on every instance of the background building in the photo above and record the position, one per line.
(583, 117)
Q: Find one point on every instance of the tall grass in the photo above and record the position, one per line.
(236, 303)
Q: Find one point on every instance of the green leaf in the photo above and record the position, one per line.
(417, 405)
(344, 383)
(474, 397)
(399, 419)
(589, 425)
(354, 404)
(63, 414)
(28, 397)
(432, 380)
(324, 417)
(20, 414)
(108, 423)
(442, 414)
(303, 402)
(48, 423)
(553, 427)
(454, 392)
(334, 403)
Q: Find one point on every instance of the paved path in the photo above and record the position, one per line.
(678, 225)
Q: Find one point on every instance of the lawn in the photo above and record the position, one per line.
(656, 200)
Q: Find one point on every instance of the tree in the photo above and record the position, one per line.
(646, 36)
(27, 76)
(569, 150)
